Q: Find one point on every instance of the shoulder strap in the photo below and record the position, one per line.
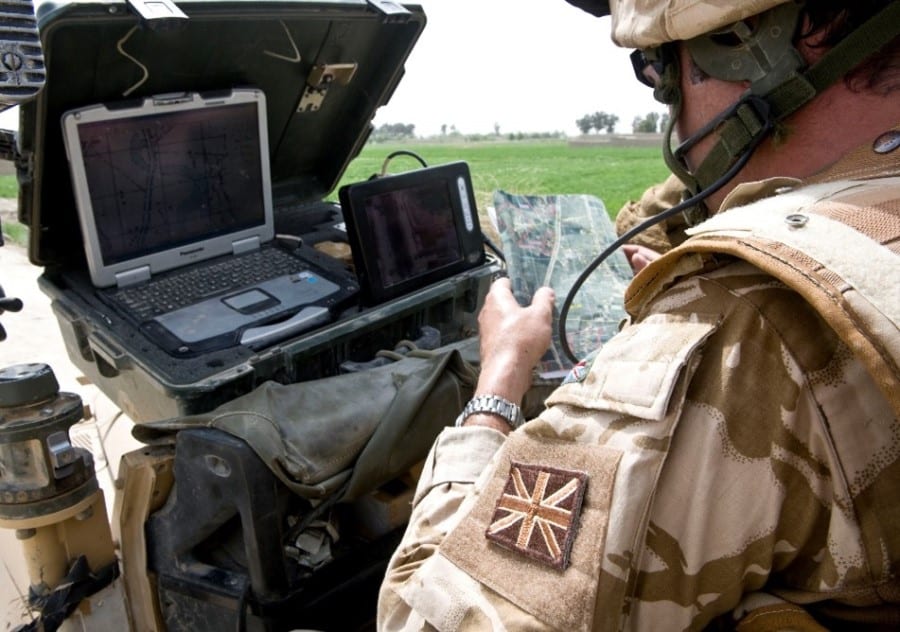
(836, 244)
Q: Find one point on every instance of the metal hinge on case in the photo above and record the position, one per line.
(320, 79)
(158, 15)
(393, 11)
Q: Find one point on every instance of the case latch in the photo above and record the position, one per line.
(320, 80)
(158, 15)
(393, 11)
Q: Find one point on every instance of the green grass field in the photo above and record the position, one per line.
(9, 188)
(613, 174)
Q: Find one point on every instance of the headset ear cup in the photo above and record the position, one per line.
(751, 50)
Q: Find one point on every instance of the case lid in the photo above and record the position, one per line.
(325, 67)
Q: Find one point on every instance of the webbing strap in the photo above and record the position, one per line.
(863, 42)
(736, 134)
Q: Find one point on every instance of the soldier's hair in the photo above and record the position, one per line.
(830, 21)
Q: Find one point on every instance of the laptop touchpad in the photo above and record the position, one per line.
(251, 301)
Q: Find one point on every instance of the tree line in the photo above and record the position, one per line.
(390, 132)
(605, 122)
(598, 121)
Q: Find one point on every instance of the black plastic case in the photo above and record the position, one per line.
(326, 67)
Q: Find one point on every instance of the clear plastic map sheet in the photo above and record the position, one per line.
(550, 240)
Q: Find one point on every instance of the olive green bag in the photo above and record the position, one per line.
(346, 434)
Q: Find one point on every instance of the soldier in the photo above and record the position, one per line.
(731, 458)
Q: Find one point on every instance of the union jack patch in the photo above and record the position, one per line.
(537, 513)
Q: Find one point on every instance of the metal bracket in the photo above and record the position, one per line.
(320, 80)
(158, 15)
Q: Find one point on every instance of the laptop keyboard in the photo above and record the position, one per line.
(186, 287)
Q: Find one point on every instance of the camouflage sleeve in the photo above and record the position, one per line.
(772, 483)
(457, 458)
(659, 197)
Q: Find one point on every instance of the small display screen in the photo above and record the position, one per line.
(413, 231)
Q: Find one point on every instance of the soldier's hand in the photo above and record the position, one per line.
(513, 339)
(639, 256)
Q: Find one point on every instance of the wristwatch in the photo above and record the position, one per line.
(494, 405)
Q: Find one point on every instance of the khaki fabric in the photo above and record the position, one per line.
(759, 457)
(848, 276)
(779, 618)
(648, 23)
(493, 585)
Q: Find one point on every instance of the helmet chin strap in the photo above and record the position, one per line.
(740, 130)
(779, 87)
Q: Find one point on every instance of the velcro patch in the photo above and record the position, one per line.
(537, 513)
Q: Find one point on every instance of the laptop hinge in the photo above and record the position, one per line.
(392, 11)
(245, 245)
(130, 277)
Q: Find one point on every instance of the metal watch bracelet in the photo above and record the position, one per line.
(494, 405)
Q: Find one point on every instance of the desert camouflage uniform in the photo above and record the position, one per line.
(728, 451)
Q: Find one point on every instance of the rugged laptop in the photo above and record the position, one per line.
(325, 71)
(175, 205)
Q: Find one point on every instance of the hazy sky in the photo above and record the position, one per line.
(527, 65)
(9, 119)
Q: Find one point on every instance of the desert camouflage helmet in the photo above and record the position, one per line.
(649, 23)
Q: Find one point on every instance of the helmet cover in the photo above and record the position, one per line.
(649, 23)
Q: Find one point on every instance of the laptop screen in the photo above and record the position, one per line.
(169, 180)
(179, 170)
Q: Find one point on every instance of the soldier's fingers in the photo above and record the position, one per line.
(502, 282)
(544, 298)
(501, 294)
